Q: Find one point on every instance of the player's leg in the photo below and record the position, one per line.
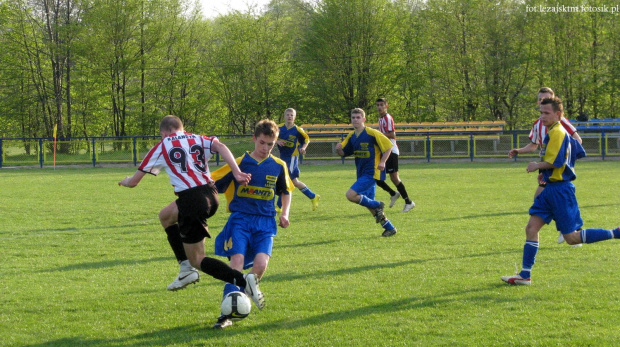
(363, 193)
(391, 167)
(224, 321)
(530, 249)
(168, 218)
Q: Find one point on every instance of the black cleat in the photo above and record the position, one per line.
(222, 322)
(388, 233)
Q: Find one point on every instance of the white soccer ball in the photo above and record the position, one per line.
(237, 305)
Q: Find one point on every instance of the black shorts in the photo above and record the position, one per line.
(195, 206)
(391, 165)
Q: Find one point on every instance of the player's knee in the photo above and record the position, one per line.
(352, 196)
(572, 238)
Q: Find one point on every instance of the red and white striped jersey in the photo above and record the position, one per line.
(386, 125)
(539, 130)
(184, 156)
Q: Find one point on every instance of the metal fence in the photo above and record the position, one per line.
(426, 146)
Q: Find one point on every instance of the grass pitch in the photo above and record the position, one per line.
(85, 263)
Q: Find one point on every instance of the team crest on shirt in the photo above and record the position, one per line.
(253, 192)
(271, 181)
(290, 142)
(363, 152)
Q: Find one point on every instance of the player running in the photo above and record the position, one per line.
(557, 201)
(367, 144)
(292, 142)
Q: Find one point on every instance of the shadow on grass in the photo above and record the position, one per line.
(499, 214)
(68, 229)
(196, 334)
(352, 270)
(105, 264)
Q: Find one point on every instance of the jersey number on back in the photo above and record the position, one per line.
(178, 156)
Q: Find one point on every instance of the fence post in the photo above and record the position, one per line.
(471, 147)
(135, 151)
(1, 153)
(41, 153)
(603, 144)
(342, 139)
(217, 159)
(92, 143)
(514, 144)
(428, 148)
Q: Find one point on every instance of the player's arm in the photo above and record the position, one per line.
(304, 139)
(384, 158)
(339, 149)
(241, 177)
(132, 181)
(539, 165)
(576, 136)
(390, 135)
(284, 187)
(286, 204)
(530, 147)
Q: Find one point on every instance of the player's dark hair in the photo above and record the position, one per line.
(544, 90)
(170, 124)
(358, 111)
(384, 100)
(555, 102)
(266, 127)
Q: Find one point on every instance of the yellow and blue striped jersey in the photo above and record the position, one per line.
(293, 137)
(367, 148)
(269, 178)
(561, 151)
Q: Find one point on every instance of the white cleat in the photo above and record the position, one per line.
(517, 280)
(252, 290)
(408, 207)
(560, 238)
(394, 198)
(184, 279)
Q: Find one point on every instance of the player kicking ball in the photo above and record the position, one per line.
(247, 237)
(367, 144)
(557, 201)
(184, 156)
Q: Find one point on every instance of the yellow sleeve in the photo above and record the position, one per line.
(384, 143)
(304, 134)
(289, 183)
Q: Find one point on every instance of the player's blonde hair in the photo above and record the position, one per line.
(171, 124)
(546, 90)
(290, 109)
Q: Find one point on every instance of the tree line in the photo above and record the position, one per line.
(115, 67)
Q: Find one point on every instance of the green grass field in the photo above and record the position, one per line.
(85, 263)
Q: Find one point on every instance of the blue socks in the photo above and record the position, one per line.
(596, 235)
(529, 258)
(366, 202)
(387, 225)
(307, 192)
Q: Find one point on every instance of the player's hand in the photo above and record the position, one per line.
(381, 166)
(243, 178)
(284, 222)
(339, 145)
(302, 151)
(124, 182)
(513, 152)
(281, 142)
(531, 167)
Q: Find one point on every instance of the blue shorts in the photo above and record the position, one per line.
(293, 166)
(246, 234)
(365, 185)
(558, 202)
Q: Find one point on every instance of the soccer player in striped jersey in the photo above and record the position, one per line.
(386, 126)
(557, 201)
(247, 237)
(367, 145)
(537, 135)
(184, 156)
(293, 142)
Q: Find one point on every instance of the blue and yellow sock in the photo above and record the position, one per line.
(529, 258)
(366, 202)
(596, 235)
(307, 192)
